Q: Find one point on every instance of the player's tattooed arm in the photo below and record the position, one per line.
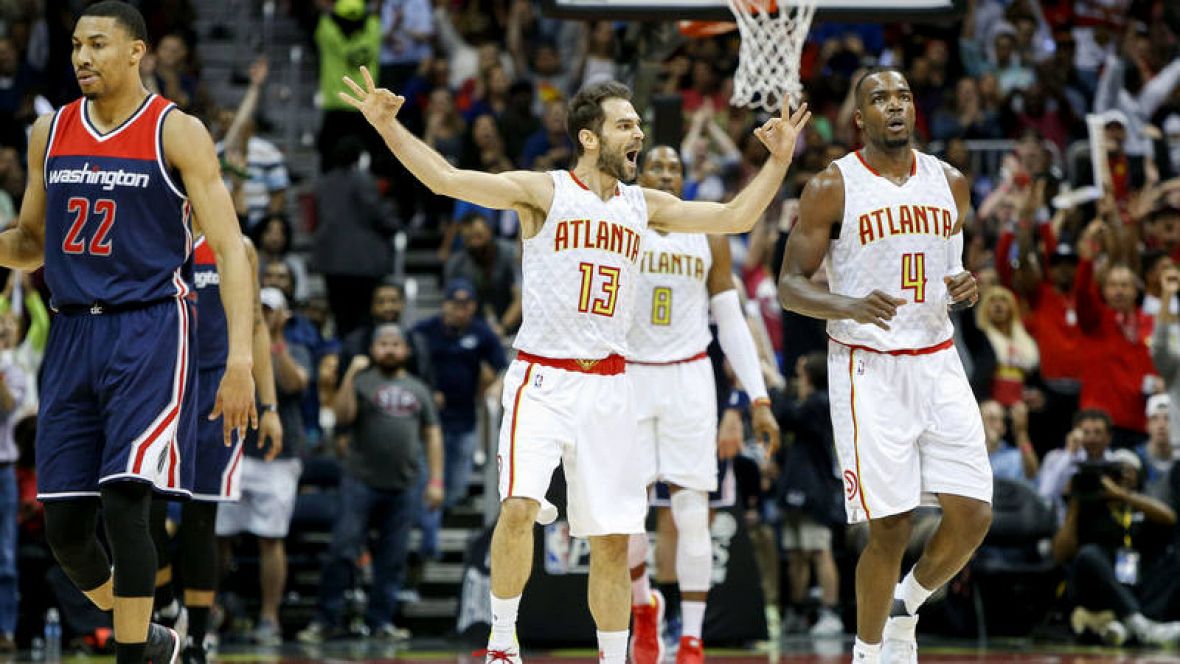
(189, 149)
(739, 215)
(23, 246)
(821, 209)
(515, 190)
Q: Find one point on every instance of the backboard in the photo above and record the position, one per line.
(718, 10)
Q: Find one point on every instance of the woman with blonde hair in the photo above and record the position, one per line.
(998, 317)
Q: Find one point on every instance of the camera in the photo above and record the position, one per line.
(1087, 482)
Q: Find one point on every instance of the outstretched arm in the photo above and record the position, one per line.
(501, 191)
(188, 147)
(23, 247)
(669, 213)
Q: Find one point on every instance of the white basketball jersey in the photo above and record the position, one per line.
(672, 302)
(580, 274)
(895, 239)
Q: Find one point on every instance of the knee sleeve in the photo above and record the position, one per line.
(159, 529)
(636, 550)
(199, 545)
(694, 546)
(126, 507)
(70, 528)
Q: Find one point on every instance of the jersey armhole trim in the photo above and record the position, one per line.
(49, 148)
(163, 166)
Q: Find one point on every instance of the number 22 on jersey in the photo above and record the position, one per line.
(100, 245)
(604, 305)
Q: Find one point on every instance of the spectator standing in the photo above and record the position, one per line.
(811, 496)
(264, 187)
(407, 27)
(347, 38)
(1116, 376)
(492, 266)
(15, 389)
(269, 488)
(463, 351)
(387, 307)
(394, 423)
(1165, 352)
(352, 246)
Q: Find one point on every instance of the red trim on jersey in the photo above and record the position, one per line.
(203, 254)
(699, 356)
(913, 165)
(137, 136)
(528, 372)
(901, 351)
(577, 181)
(143, 447)
(608, 366)
(618, 190)
(860, 486)
(229, 476)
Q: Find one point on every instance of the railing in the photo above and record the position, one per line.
(988, 154)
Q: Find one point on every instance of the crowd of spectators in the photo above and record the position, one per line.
(1072, 351)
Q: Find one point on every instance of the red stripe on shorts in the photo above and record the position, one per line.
(512, 434)
(860, 485)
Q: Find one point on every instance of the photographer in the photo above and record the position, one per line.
(1113, 542)
(1089, 440)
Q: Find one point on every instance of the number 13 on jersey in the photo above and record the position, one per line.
(604, 305)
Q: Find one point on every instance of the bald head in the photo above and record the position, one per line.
(662, 170)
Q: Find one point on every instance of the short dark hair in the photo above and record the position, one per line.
(472, 216)
(873, 71)
(259, 229)
(586, 108)
(1087, 414)
(815, 365)
(124, 14)
(391, 282)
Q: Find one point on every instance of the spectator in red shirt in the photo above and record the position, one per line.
(1117, 372)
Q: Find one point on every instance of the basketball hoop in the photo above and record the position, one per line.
(772, 43)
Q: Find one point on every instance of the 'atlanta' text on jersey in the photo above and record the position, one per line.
(606, 236)
(905, 219)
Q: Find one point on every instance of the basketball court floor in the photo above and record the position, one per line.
(792, 651)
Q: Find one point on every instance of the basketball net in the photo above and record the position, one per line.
(773, 34)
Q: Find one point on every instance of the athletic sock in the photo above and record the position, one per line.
(612, 647)
(911, 593)
(865, 653)
(503, 623)
(198, 624)
(694, 618)
(129, 653)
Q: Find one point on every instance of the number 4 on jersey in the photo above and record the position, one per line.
(100, 245)
(913, 275)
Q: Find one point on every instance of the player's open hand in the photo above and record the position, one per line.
(779, 134)
(378, 105)
(876, 308)
(765, 427)
(962, 288)
(270, 430)
(235, 402)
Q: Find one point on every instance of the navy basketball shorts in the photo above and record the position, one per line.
(218, 467)
(118, 401)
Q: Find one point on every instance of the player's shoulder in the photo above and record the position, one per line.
(826, 182)
(179, 125)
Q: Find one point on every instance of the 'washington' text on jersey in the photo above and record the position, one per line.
(607, 236)
(109, 179)
(905, 220)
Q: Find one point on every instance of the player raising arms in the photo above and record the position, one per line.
(889, 220)
(566, 398)
(112, 180)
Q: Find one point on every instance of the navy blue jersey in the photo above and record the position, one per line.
(212, 331)
(116, 222)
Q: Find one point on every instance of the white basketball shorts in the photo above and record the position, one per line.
(584, 419)
(676, 405)
(904, 424)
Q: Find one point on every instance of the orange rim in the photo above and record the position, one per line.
(701, 29)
